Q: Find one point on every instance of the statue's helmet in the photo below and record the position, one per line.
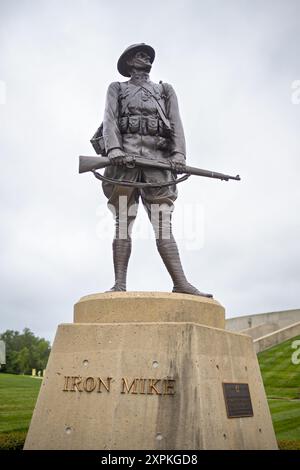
(129, 52)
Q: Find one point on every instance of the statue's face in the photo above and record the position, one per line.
(140, 61)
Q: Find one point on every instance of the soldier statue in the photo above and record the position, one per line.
(142, 118)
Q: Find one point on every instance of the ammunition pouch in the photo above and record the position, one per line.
(134, 124)
(143, 125)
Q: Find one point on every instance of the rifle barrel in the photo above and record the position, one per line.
(96, 163)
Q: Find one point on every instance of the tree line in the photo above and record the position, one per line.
(24, 352)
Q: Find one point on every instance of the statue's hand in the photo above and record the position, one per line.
(117, 157)
(178, 162)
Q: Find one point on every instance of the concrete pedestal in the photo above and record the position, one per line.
(146, 371)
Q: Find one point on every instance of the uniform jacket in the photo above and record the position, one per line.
(133, 123)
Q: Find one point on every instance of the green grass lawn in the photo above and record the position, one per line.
(18, 394)
(282, 384)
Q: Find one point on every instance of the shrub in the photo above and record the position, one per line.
(12, 440)
(288, 445)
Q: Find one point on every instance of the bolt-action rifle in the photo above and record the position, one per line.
(96, 163)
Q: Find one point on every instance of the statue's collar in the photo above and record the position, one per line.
(139, 77)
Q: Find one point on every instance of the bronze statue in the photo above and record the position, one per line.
(143, 137)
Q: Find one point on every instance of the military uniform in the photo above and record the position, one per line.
(133, 122)
(142, 119)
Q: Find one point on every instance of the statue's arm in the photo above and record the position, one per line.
(177, 132)
(111, 132)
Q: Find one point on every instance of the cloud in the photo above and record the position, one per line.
(232, 65)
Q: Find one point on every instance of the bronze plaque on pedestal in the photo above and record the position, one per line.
(237, 400)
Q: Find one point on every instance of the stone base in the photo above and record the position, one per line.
(144, 307)
(151, 384)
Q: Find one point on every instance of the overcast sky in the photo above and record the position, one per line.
(233, 65)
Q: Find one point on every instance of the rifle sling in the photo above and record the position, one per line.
(137, 184)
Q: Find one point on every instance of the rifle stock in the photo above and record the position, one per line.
(92, 163)
(96, 163)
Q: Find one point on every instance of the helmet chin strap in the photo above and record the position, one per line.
(146, 68)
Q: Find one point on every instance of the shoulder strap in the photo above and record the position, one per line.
(158, 106)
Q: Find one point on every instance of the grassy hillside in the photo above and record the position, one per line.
(282, 383)
(18, 394)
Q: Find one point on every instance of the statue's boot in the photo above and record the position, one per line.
(168, 251)
(121, 255)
